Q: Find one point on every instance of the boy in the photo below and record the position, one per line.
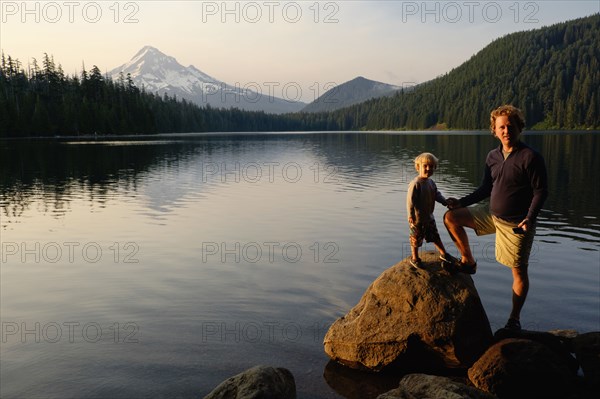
(420, 202)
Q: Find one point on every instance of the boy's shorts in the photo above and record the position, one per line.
(427, 231)
(512, 249)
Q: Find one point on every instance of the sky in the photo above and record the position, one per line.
(297, 49)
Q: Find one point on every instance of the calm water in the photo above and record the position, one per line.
(155, 268)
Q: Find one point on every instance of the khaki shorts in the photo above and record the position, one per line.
(512, 249)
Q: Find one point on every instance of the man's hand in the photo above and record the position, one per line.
(524, 224)
(453, 203)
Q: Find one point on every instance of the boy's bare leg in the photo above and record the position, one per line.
(456, 220)
(414, 252)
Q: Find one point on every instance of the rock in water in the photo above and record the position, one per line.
(517, 368)
(587, 349)
(259, 382)
(433, 387)
(419, 320)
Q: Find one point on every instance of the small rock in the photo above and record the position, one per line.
(416, 386)
(259, 382)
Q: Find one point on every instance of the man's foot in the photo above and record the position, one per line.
(453, 265)
(467, 268)
(513, 324)
(448, 258)
(448, 263)
(416, 263)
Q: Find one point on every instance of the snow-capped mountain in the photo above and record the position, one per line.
(160, 73)
(352, 92)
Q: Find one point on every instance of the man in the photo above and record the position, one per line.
(516, 183)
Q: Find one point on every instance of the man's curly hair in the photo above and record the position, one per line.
(515, 116)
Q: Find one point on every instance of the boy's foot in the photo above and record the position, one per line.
(416, 263)
(513, 324)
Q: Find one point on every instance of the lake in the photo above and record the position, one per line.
(157, 267)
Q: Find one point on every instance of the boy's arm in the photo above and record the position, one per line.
(412, 197)
(438, 195)
(440, 198)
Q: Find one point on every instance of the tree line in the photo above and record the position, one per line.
(552, 73)
(43, 101)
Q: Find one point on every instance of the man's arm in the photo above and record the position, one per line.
(482, 192)
(539, 183)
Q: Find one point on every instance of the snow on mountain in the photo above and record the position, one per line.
(160, 73)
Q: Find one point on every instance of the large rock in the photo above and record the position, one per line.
(587, 350)
(520, 368)
(552, 341)
(414, 386)
(420, 320)
(259, 382)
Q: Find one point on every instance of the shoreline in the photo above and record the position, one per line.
(106, 137)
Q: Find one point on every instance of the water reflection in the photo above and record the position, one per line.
(339, 198)
(356, 384)
(54, 173)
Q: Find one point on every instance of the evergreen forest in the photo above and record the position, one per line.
(42, 101)
(552, 73)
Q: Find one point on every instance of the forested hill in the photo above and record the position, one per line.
(552, 73)
(43, 101)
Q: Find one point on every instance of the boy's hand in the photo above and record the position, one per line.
(452, 203)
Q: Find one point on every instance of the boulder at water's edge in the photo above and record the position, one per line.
(419, 320)
(262, 382)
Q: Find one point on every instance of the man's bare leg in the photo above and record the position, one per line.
(520, 288)
(439, 245)
(456, 220)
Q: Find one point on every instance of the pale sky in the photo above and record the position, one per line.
(275, 44)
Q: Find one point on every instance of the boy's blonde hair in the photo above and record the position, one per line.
(426, 157)
(515, 116)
